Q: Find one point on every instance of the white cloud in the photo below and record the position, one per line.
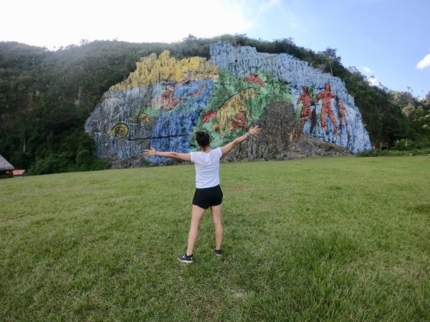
(268, 5)
(251, 11)
(367, 70)
(250, 7)
(424, 63)
(60, 23)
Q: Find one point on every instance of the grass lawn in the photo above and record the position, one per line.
(318, 239)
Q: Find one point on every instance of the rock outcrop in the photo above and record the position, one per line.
(166, 100)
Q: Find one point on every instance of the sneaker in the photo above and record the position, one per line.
(217, 252)
(185, 259)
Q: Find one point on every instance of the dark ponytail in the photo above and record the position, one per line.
(203, 139)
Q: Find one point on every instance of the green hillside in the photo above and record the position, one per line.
(46, 96)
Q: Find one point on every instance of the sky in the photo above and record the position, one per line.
(388, 41)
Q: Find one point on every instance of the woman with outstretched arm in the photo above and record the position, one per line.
(208, 192)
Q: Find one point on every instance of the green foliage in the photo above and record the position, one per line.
(395, 153)
(404, 145)
(73, 152)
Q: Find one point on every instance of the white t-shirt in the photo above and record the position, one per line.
(207, 168)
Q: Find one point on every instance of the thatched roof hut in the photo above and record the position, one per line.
(6, 169)
(4, 165)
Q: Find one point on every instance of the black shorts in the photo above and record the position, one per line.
(208, 197)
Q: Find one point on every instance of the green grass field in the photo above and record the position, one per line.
(319, 239)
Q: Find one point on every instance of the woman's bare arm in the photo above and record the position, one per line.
(173, 155)
(228, 147)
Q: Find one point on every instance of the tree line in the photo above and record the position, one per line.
(46, 96)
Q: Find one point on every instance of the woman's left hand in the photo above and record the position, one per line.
(254, 130)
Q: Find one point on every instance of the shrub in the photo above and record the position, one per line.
(404, 145)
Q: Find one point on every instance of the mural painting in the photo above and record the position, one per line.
(165, 100)
(236, 103)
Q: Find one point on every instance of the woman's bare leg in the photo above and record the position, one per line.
(216, 217)
(196, 217)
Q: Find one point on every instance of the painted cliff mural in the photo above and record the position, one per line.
(165, 100)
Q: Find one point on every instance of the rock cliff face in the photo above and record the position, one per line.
(166, 100)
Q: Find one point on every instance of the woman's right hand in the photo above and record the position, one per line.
(150, 152)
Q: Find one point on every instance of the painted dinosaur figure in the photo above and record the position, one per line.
(233, 113)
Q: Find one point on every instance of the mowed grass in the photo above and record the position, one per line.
(325, 239)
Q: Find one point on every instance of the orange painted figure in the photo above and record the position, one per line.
(341, 112)
(306, 100)
(326, 96)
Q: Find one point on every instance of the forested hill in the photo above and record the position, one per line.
(46, 96)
